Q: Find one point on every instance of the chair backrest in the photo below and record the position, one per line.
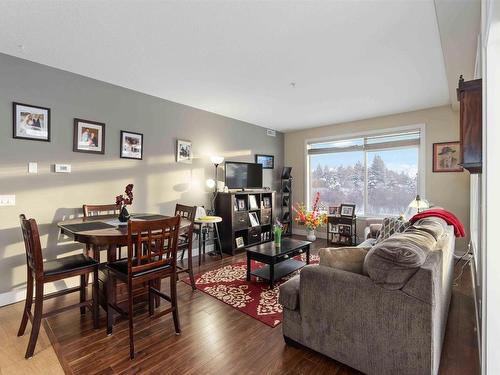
(100, 209)
(154, 242)
(31, 237)
(185, 212)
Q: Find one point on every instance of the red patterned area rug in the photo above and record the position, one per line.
(255, 298)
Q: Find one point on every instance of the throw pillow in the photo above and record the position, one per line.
(349, 259)
(391, 225)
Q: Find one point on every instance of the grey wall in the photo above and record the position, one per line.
(159, 181)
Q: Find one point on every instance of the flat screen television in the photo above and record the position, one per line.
(243, 175)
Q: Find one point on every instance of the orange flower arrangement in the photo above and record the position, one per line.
(311, 219)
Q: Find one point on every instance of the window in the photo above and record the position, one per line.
(379, 174)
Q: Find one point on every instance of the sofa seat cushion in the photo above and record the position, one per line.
(390, 226)
(289, 293)
(391, 263)
(349, 259)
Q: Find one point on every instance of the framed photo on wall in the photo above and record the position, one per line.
(89, 136)
(184, 151)
(267, 161)
(131, 146)
(30, 122)
(446, 156)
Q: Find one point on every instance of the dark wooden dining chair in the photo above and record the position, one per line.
(41, 272)
(90, 210)
(151, 256)
(186, 240)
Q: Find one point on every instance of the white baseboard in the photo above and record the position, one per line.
(19, 294)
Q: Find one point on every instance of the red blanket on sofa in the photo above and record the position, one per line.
(446, 216)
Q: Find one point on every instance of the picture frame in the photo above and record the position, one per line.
(336, 238)
(252, 202)
(347, 210)
(131, 145)
(242, 205)
(240, 242)
(446, 157)
(334, 210)
(345, 230)
(30, 122)
(334, 228)
(184, 151)
(267, 161)
(254, 219)
(89, 136)
(266, 202)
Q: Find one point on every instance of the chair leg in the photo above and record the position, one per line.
(83, 291)
(27, 304)
(190, 266)
(37, 319)
(150, 298)
(131, 320)
(175, 310)
(95, 298)
(182, 254)
(109, 309)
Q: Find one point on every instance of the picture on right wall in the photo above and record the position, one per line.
(446, 156)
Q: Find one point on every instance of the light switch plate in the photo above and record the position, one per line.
(7, 200)
(32, 167)
(63, 168)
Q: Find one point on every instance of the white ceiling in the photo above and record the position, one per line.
(349, 59)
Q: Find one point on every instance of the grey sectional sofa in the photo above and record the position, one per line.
(373, 325)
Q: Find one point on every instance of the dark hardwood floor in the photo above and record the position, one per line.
(217, 339)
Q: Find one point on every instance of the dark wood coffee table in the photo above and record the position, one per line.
(279, 261)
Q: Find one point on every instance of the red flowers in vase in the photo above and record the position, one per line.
(121, 200)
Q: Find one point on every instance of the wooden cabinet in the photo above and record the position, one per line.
(341, 230)
(235, 209)
(469, 94)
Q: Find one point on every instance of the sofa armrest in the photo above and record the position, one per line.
(356, 316)
(289, 293)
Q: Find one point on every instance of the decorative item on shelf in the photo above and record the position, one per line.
(239, 242)
(347, 210)
(278, 230)
(124, 201)
(310, 219)
(446, 156)
(334, 210)
(31, 122)
(252, 202)
(254, 219)
(184, 151)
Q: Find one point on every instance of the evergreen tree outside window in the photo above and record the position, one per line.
(378, 174)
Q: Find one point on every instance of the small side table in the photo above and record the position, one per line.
(203, 238)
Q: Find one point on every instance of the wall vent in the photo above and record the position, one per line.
(271, 133)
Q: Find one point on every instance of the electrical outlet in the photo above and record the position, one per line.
(7, 200)
(62, 168)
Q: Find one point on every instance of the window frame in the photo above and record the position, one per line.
(380, 132)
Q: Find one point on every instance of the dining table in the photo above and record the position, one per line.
(106, 232)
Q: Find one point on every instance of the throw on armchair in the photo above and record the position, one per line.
(361, 307)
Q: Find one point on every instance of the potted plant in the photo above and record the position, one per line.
(124, 201)
(311, 219)
(278, 230)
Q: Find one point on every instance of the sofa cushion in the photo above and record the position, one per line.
(289, 293)
(390, 226)
(349, 259)
(391, 263)
(432, 225)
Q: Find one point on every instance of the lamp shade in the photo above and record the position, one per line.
(215, 159)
